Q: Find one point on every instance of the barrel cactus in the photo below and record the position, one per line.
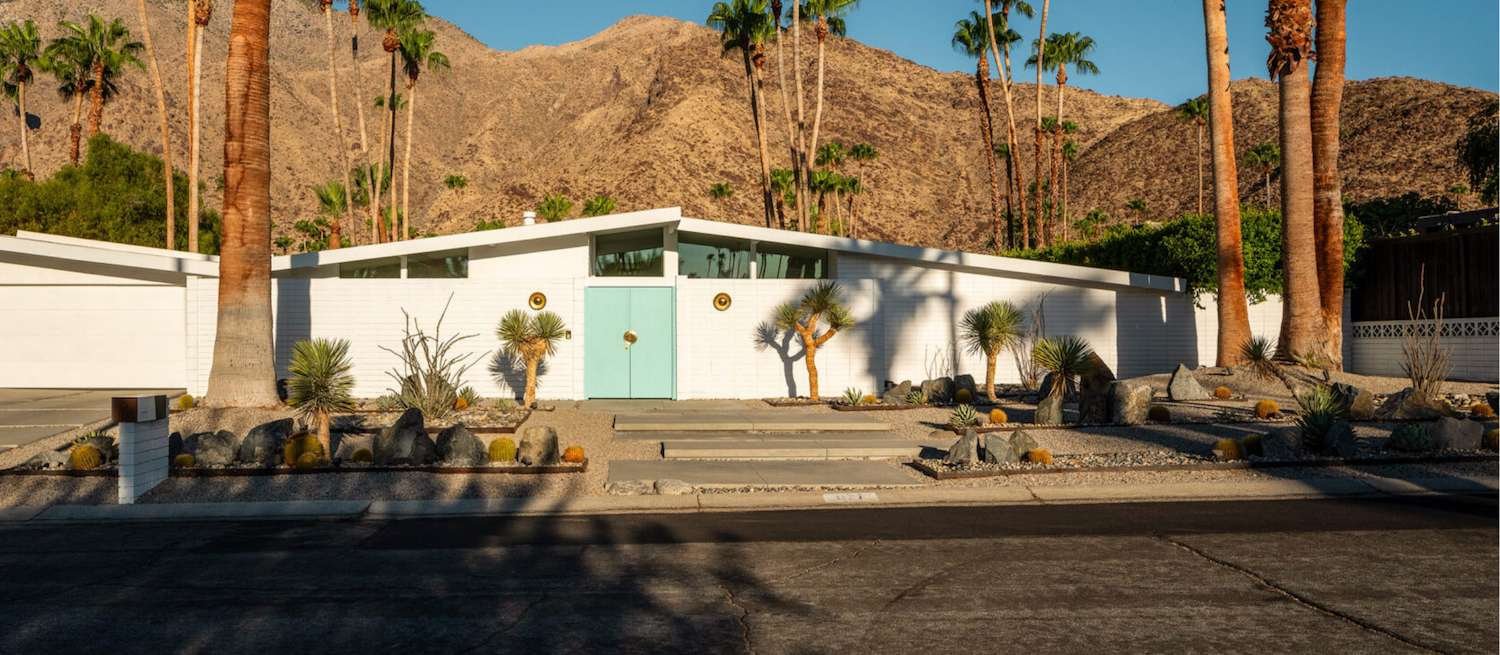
(1223, 393)
(85, 457)
(184, 461)
(1039, 456)
(307, 460)
(963, 396)
(502, 449)
(1267, 409)
(997, 416)
(573, 455)
(362, 456)
(186, 402)
(1482, 411)
(1228, 450)
(299, 445)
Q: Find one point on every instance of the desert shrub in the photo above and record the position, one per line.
(1410, 438)
(1491, 440)
(307, 461)
(1159, 413)
(502, 449)
(1266, 409)
(916, 397)
(997, 416)
(85, 457)
(853, 396)
(1228, 450)
(184, 461)
(362, 456)
(1482, 410)
(467, 397)
(1039, 456)
(186, 402)
(1223, 393)
(963, 416)
(1321, 411)
(1253, 445)
(431, 373)
(299, 445)
(573, 455)
(963, 397)
(387, 403)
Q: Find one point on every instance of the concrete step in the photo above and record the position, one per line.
(748, 421)
(803, 448)
(772, 474)
(732, 435)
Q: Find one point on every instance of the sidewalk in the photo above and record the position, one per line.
(717, 502)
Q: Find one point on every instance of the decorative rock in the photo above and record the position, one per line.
(538, 446)
(174, 444)
(631, 488)
(1493, 398)
(896, 395)
(965, 451)
(1456, 434)
(262, 445)
(1340, 441)
(997, 450)
(1022, 442)
(1045, 389)
(939, 390)
(1129, 402)
(966, 381)
(1184, 386)
(457, 446)
(405, 442)
(47, 459)
(1406, 404)
(1049, 409)
(1281, 444)
(212, 448)
(1093, 391)
(1359, 402)
(671, 487)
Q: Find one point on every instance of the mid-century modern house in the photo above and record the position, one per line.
(693, 293)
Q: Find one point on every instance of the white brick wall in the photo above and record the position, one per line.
(143, 458)
(1471, 343)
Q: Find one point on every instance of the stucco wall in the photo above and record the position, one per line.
(1473, 347)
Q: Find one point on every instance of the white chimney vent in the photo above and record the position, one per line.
(528, 218)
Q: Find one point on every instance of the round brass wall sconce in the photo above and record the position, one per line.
(722, 301)
(537, 301)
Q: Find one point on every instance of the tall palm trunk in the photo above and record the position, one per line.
(411, 111)
(75, 131)
(1041, 48)
(372, 174)
(1199, 124)
(386, 130)
(791, 132)
(25, 140)
(243, 372)
(1233, 311)
(1010, 193)
(161, 116)
(758, 113)
(1302, 315)
(987, 134)
(198, 15)
(1328, 211)
(820, 30)
(1012, 141)
(1054, 188)
(96, 99)
(803, 166)
(335, 238)
(1067, 220)
(390, 159)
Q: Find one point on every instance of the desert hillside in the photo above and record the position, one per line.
(650, 114)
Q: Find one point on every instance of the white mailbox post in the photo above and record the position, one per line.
(143, 443)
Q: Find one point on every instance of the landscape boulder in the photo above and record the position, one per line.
(1281, 444)
(1007, 449)
(47, 459)
(966, 381)
(538, 446)
(1359, 402)
(1456, 434)
(1093, 391)
(1493, 398)
(1340, 441)
(212, 448)
(965, 451)
(670, 487)
(405, 442)
(1183, 386)
(457, 446)
(897, 395)
(1129, 402)
(262, 444)
(174, 445)
(939, 390)
(1407, 404)
(1049, 409)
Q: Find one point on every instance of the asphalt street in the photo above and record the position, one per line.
(1367, 575)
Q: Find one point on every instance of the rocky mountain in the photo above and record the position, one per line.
(649, 113)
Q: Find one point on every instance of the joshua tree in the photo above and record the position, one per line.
(746, 26)
(20, 50)
(532, 338)
(1328, 204)
(1195, 111)
(1289, 25)
(554, 208)
(1233, 311)
(1266, 158)
(971, 37)
(320, 383)
(243, 372)
(199, 13)
(417, 53)
(824, 302)
(991, 329)
(1065, 358)
(600, 205)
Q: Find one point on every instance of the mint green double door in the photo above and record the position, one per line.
(630, 342)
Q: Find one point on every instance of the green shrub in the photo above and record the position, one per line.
(1321, 411)
(1410, 438)
(502, 449)
(963, 416)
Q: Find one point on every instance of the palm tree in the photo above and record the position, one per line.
(971, 37)
(1289, 24)
(1195, 111)
(68, 63)
(106, 48)
(783, 187)
(1001, 39)
(326, 8)
(720, 191)
(828, 18)
(990, 330)
(1036, 184)
(1266, 158)
(1046, 225)
(20, 52)
(161, 114)
(1066, 358)
(532, 338)
(199, 13)
(600, 205)
(417, 52)
(824, 302)
(320, 383)
(370, 168)
(1233, 311)
(746, 25)
(862, 154)
(1068, 49)
(794, 137)
(333, 201)
(1069, 153)
(244, 371)
(387, 231)
(554, 207)
(1328, 210)
(1003, 151)
(394, 17)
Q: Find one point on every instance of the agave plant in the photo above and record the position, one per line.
(963, 416)
(1066, 358)
(853, 397)
(532, 338)
(320, 383)
(1322, 410)
(990, 330)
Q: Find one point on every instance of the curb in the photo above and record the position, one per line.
(713, 502)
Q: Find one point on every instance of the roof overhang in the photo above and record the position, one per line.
(69, 249)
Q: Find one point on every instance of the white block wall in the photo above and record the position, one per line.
(1471, 342)
(143, 458)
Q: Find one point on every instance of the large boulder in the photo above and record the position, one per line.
(897, 395)
(1407, 404)
(966, 382)
(47, 459)
(538, 446)
(1049, 409)
(212, 448)
(1340, 441)
(262, 444)
(1493, 398)
(1183, 386)
(1456, 434)
(405, 442)
(1093, 391)
(1281, 444)
(965, 451)
(457, 446)
(939, 390)
(1129, 402)
(1008, 449)
(1360, 403)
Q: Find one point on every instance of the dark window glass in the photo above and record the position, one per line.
(438, 264)
(387, 268)
(776, 261)
(628, 254)
(709, 257)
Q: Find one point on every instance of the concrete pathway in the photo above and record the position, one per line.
(807, 447)
(745, 421)
(758, 473)
(27, 415)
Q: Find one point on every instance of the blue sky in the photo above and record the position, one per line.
(1147, 48)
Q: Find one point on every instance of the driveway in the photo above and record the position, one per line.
(27, 415)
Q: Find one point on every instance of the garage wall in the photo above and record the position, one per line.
(92, 327)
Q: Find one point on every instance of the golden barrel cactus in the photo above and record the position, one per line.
(502, 449)
(184, 461)
(1039, 456)
(998, 417)
(85, 457)
(573, 455)
(1223, 393)
(1266, 409)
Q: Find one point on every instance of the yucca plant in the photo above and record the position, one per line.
(1322, 410)
(320, 383)
(963, 416)
(822, 303)
(853, 397)
(431, 373)
(532, 338)
(1066, 358)
(468, 398)
(1259, 353)
(991, 329)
